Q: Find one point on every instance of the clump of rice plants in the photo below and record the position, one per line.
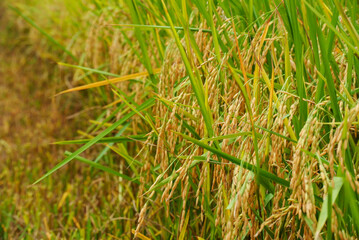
(226, 119)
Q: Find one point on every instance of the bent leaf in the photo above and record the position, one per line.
(109, 81)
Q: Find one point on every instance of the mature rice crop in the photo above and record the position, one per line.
(220, 119)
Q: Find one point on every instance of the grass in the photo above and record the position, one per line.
(223, 119)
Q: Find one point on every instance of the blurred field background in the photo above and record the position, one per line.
(179, 119)
(31, 120)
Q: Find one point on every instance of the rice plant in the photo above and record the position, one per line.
(222, 119)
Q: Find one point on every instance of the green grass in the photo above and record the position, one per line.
(248, 130)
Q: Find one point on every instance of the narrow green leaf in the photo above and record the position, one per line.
(103, 168)
(160, 27)
(144, 106)
(237, 161)
(338, 183)
(122, 139)
(43, 32)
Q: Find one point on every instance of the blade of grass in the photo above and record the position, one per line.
(144, 106)
(92, 70)
(327, 22)
(160, 27)
(121, 139)
(43, 32)
(108, 147)
(237, 161)
(196, 83)
(338, 183)
(103, 168)
(109, 81)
